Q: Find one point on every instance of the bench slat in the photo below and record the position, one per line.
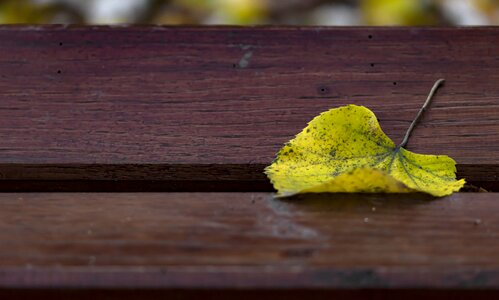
(121, 103)
(248, 241)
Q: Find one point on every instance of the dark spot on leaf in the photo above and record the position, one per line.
(394, 83)
(370, 36)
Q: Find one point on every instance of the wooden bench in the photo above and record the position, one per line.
(176, 124)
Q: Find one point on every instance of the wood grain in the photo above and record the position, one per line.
(128, 103)
(249, 242)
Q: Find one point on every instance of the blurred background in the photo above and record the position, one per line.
(247, 12)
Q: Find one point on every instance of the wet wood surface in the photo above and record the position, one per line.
(204, 104)
(204, 109)
(249, 242)
(237, 242)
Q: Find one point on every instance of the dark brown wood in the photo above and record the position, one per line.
(247, 294)
(247, 243)
(128, 103)
(205, 109)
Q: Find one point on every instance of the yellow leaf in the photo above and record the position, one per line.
(398, 12)
(345, 150)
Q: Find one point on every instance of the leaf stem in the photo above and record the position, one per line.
(436, 85)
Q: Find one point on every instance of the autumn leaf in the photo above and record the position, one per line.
(345, 150)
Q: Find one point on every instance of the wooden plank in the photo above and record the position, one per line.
(142, 103)
(238, 242)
